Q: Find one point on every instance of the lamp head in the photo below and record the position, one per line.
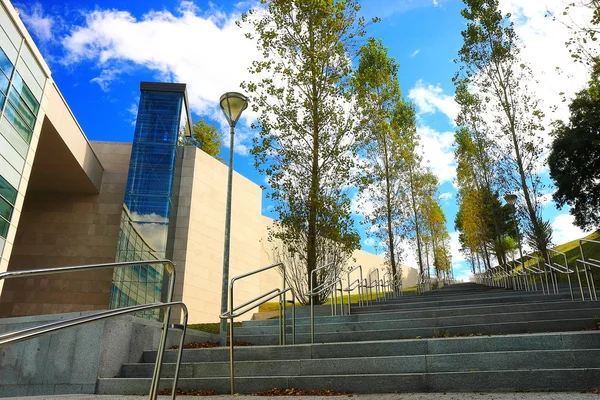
(510, 198)
(233, 104)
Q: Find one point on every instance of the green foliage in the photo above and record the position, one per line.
(385, 118)
(211, 327)
(490, 65)
(308, 140)
(206, 137)
(574, 161)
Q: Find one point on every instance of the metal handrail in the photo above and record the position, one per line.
(538, 271)
(564, 269)
(169, 267)
(230, 315)
(592, 288)
(311, 296)
(28, 333)
(282, 326)
(274, 293)
(323, 288)
(370, 283)
(385, 286)
(398, 279)
(590, 278)
(348, 289)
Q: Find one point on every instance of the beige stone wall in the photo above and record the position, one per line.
(199, 238)
(367, 260)
(58, 229)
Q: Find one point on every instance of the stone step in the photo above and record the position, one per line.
(563, 379)
(432, 313)
(457, 362)
(523, 342)
(475, 328)
(436, 322)
(466, 301)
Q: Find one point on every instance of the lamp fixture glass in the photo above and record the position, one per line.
(233, 104)
(510, 198)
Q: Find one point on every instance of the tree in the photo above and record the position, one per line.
(581, 44)
(491, 66)
(384, 116)
(307, 141)
(574, 161)
(206, 137)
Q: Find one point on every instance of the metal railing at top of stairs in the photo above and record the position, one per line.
(562, 269)
(398, 282)
(423, 283)
(587, 265)
(322, 288)
(538, 271)
(252, 304)
(373, 283)
(355, 284)
(13, 337)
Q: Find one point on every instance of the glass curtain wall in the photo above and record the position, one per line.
(148, 197)
(21, 87)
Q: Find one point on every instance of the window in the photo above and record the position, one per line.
(25, 93)
(5, 209)
(4, 227)
(7, 191)
(21, 107)
(17, 121)
(5, 63)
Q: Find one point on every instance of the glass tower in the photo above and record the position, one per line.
(150, 198)
(22, 82)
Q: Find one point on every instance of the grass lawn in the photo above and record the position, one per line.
(353, 299)
(212, 327)
(572, 251)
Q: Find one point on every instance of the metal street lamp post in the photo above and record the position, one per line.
(232, 105)
(511, 200)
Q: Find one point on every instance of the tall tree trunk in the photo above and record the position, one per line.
(313, 197)
(415, 216)
(388, 197)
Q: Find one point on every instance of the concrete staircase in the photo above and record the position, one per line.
(538, 343)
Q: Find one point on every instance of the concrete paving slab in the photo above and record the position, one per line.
(392, 396)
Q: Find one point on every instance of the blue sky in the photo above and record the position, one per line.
(99, 51)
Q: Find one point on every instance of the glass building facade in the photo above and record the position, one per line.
(150, 198)
(22, 82)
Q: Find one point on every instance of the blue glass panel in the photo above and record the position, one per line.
(3, 227)
(23, 89)
(3, 82)
(7, 191)
(17, 122)
(5, 209)
(148, 197)
(5, 63)
(21, 107)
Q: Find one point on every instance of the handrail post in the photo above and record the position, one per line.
(231, 359)
(284, 323)
(312, 312)
(585, 272)
(163, 339)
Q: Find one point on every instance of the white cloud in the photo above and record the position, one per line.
(438, 153)
(545, 199)
(369, 242)
(564, 230)
(446, 196)
(431, 99)
(545, 50)
(160, 41)
(414, 53)
(457, 256)
(37, 23)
